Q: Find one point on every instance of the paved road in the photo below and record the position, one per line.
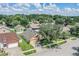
(64, 50)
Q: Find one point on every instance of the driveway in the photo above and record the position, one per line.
(67, 49)
(14, 51)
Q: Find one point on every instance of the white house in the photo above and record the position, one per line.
(19, 29)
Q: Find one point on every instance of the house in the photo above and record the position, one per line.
(4, 29)
(19, 29)
(8, 40)
(31, 36)
(66, 29)
(35, 26)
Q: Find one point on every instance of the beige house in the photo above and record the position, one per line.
(19, 29)
(35, 26)
(65, 29)
(4, 29)
(31, 36)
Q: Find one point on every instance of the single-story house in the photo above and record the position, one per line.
(35, 26)
(31, 36)
(8, 40)
(19, 29)
(4, 29)
(66, 29)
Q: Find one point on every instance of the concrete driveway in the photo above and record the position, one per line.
(63, 50)
(14, 51)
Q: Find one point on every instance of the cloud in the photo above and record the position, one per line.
(26, 8)
(37, 5)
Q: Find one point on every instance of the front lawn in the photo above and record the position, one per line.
(26, 47)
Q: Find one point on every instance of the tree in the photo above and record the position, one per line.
(69, 21)
(59, 21)
(50, 32)
(24, 22)
(74, 31)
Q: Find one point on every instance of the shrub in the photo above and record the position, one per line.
(44, 42)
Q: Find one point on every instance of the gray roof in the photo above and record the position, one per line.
(29, 33)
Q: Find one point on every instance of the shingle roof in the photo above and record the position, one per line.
(8, 38)
(29, 33)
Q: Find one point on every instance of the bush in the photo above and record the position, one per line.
(30, 52)
(44, 42)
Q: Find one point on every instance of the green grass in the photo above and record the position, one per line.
(25, 45)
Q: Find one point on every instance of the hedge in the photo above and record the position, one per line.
(73, 38)
(55, 43)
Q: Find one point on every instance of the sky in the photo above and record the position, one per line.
(67, 9)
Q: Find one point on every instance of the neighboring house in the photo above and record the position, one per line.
(8, 40)
(31, 36)
(66, 29)
(4, 29)
(19, 29)
(35, 26)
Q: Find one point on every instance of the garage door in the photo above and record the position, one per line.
(12, 45)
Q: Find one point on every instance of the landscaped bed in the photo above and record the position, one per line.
(26, 47)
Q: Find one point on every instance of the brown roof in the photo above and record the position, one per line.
(8, 38)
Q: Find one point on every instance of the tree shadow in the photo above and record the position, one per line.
(77, 51)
